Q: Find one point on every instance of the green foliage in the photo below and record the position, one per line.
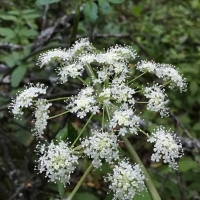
(46, 2)
(90, 11)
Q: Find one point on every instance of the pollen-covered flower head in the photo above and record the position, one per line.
(116, 54)
(25, 98)
(70, 70)
(41, 115)
(126, 180)
(167, 146)
(54, 54)
(168, 73)
(157, 99)
(101, 145)
(57, 161)
(144, 65)
(84, 103)
(122, 92)
(124, 120)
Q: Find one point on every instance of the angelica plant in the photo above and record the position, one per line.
(110, 94)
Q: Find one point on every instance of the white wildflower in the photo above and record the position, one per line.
(168, 73)
(70, 70)
(124, 120)
(25, 98)
(57, 161)
(55, 54)
(101, 145)
(126, 181)
(122, 93)
(81, 46)
(84, 103)
(167, 146)
(41, 115)
(145, 65)
(157, 99)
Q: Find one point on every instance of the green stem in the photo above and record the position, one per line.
(108, 113)
(75, 24)
(59, 114)
(141, 102)
(137, 77)
(58, 99)
(166, 83)
(79, 135)
(142, 131)
(102, 122)
(79, 78)
(80, 182)
(151, 188)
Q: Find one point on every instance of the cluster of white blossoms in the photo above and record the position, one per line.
(157, 99)
(165, 71)
(57, 161)
(25, 98)
(110, 94)
(101, 145)
(126, 180)
(125, 119)
(84, 103)
(41, 115)
(167, 146)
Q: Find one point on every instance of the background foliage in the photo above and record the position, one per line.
(160, 30)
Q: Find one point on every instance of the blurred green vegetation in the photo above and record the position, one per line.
(159, 30)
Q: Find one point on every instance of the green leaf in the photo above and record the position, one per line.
(61, 189)
(18, 75)
(8, 17)
(116, 1)
(46, 2)
(62, 134)
(84, 196)
(7, 32)
(187, 164)
(90, 10)
(194, 87)
(72, 132)
(104, 6)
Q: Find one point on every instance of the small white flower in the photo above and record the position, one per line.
(122, 92)
(168, 73)
(115, 55)
(145, 65)
(57, 161)
(126, 181)
(84, 103)
(54, 54)
(70, 70)
(41, 115)
(167, 146)
(81, 46)
(157, 99)
(101, 145)
(25, 98)
(125, 120)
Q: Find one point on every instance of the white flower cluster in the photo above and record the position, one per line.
(25, 98)
(41, 115)
(167, 146)
(110, 91)
(157, 99)
(125, 119)
(101, 145)
(83, 103)
(71, 61)
(126, 180)
(165, 71)
(57, 161)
